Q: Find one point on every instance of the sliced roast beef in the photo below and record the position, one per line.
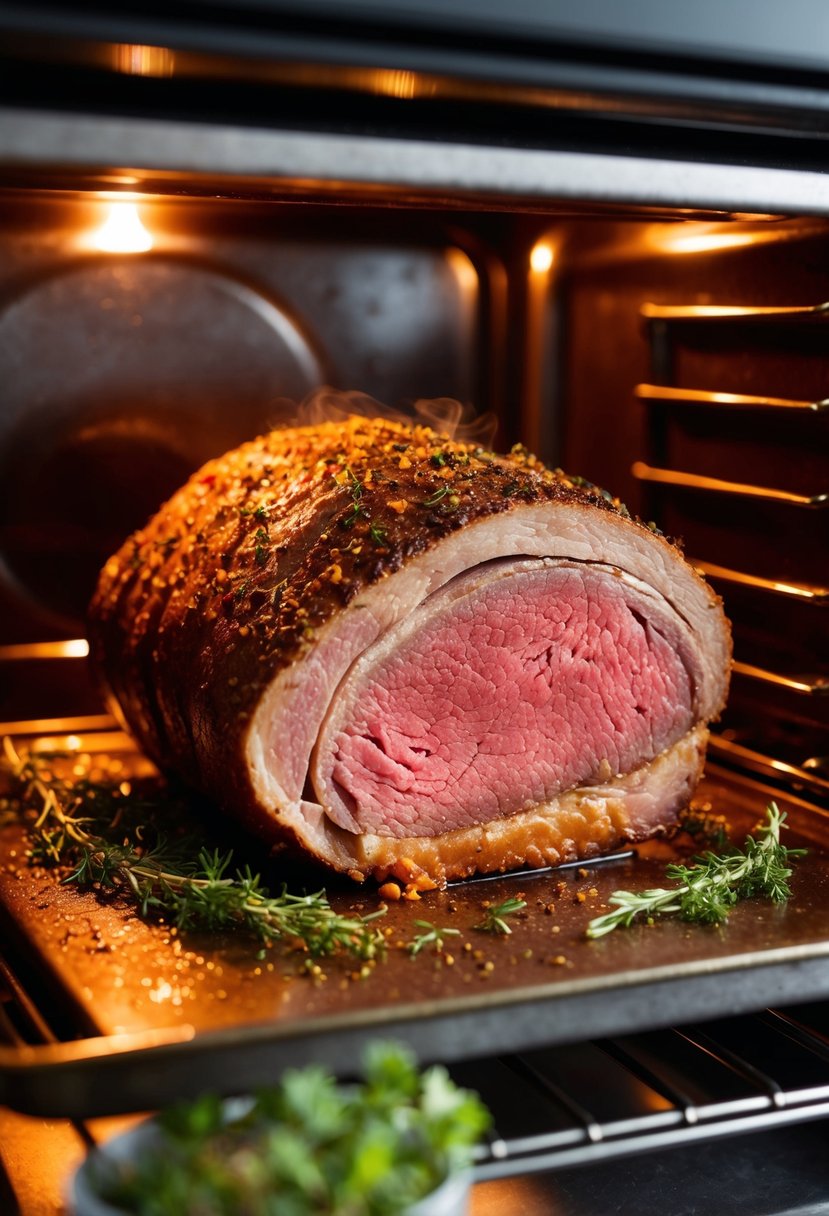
(380, 646)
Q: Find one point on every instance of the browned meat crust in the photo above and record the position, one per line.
(232, 580)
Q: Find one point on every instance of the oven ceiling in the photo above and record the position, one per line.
(733, 84)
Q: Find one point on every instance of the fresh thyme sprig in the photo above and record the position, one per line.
(433, 935)
(708, 889)
(493, 919)
(103, 835)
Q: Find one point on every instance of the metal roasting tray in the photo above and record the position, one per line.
(124, 1015)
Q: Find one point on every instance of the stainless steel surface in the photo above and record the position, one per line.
(715, 485)
(810, 776)
(161, 359)
(797, 314)
(732, 458)
(644, 1092)
(285, 162)
(140, 1011)
(661, 394)
(800, 591)
(810, 685)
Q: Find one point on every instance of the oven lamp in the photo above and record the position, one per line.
(122, 231)
(541, 257)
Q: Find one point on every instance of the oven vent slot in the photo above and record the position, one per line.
(574, 1105)
(736, 461)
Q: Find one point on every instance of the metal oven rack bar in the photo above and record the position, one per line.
(785, 679)
(576, 1105)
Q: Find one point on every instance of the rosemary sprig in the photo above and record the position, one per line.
(708, 889)
(494, 918)
(433, 935)
(105, 838)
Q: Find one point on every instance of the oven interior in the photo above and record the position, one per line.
(681, 363)
(676, 358)
(678, 361)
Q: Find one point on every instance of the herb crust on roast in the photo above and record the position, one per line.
(383, 648)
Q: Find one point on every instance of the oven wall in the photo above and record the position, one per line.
(591, 339)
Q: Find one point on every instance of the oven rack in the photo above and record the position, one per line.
(580, 1104)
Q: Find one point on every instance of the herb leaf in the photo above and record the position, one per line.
(433, 935)
(438, 496)
(708, 889)
(306, 1146)
(105, 839)
(493, 920)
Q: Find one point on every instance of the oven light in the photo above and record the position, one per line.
(122, 231)
(541, 257)
(707, 242)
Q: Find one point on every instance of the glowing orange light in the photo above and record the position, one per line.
(135, 60)
(716, 240)
(122, 231)
(395, 83)
(541, 258)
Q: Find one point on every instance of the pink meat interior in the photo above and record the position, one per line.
(511, 689)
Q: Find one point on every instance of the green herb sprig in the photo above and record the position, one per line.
(438, 496)
(104, 838)
(305, 1146)
(355, 487)
(432, 935)
(494, 918)
(708, 889)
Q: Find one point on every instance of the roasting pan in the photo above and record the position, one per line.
(136, 1012)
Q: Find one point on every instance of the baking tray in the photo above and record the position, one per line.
(133, 1014)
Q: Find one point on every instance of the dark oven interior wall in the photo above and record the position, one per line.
(626, 297)
(122, 373)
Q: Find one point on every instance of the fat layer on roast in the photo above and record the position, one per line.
(309, 704)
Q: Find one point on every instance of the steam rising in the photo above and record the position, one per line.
(443, 414)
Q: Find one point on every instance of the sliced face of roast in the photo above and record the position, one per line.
(566, 673)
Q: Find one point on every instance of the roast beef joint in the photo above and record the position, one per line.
(379, 646)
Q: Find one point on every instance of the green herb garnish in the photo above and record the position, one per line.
(705, 828)
(708, 889)
(494, 918)
(106, 840)
(260, 513)
(356, 491)
(438, 496)
(378, 534)
(260, 553)
(433, 935)
(306, 1146)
